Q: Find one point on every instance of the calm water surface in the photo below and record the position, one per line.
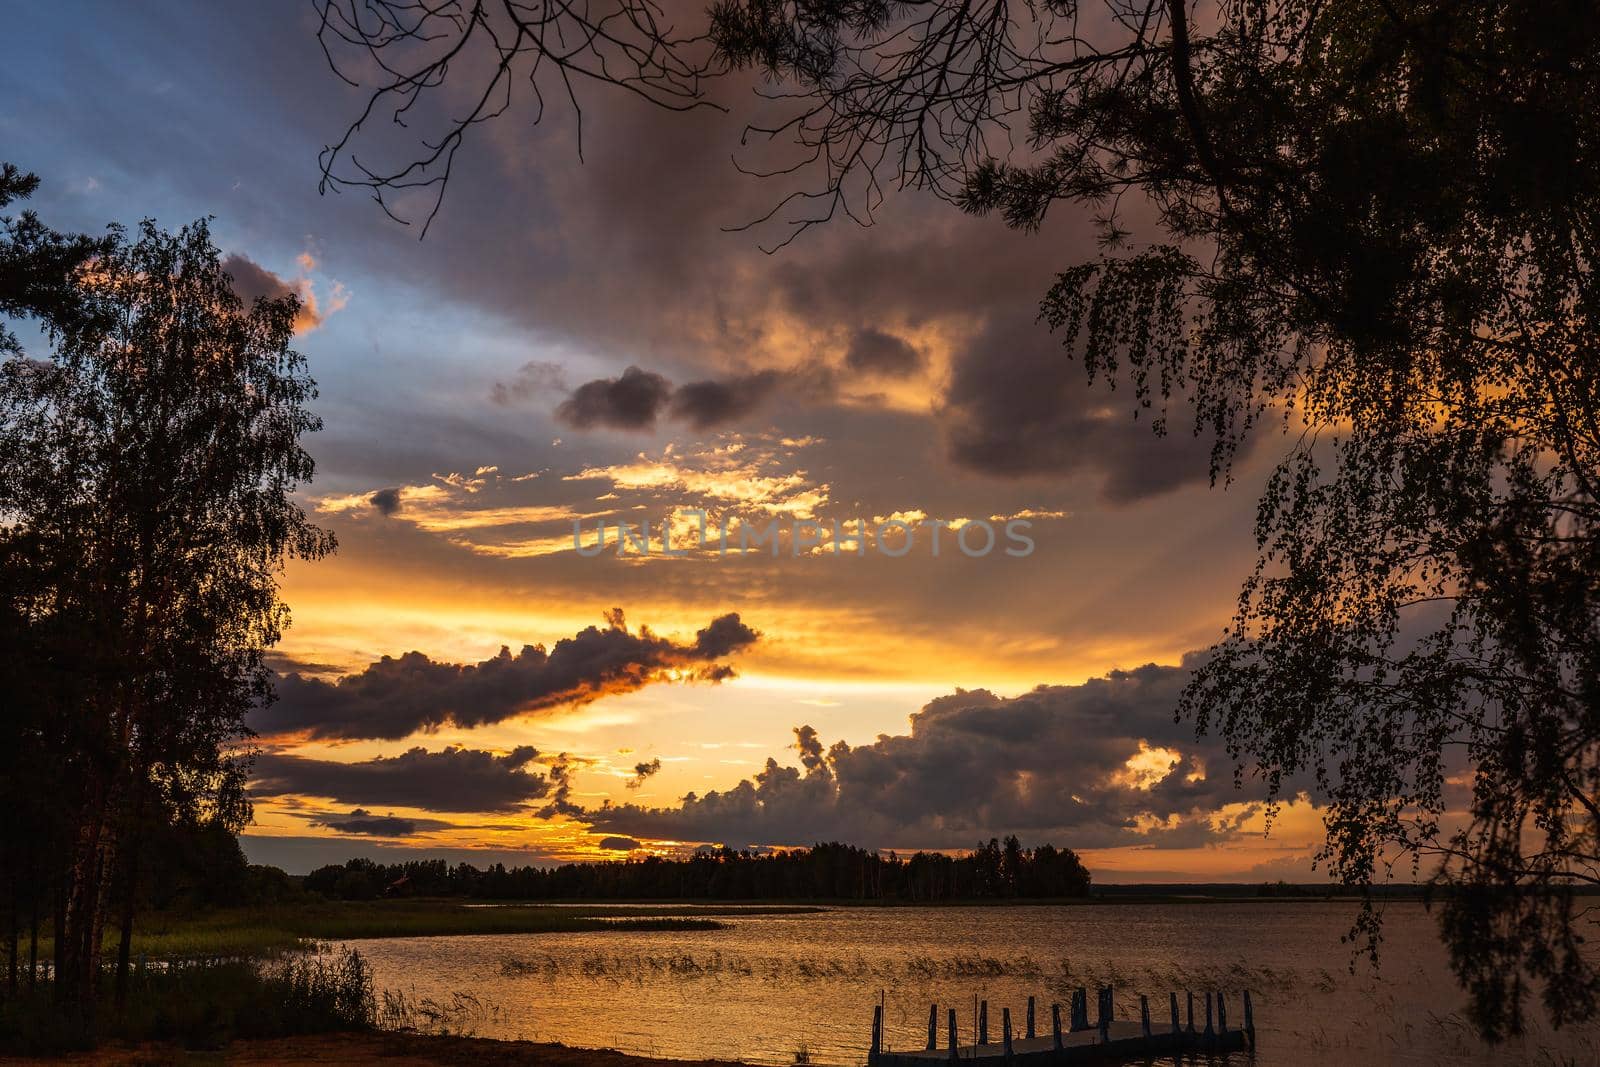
(773, 986)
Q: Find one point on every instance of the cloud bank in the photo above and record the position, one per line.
(399, 696)
(252, 281)
(453, 779)
(1096, 765)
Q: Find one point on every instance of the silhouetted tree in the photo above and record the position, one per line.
(1378, 218)
(39, 272)
(150, 465)
(829, 871)
(532, 48)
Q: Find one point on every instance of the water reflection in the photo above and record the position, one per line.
(788, 989)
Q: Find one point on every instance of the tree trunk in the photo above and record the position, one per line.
(59, 947)
(130, 896)
(33, 936)
(13, 934)
(86, 904)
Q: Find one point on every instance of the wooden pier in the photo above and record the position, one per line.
(1079, 1040)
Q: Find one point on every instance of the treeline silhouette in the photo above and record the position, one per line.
(151, 444)
(831, 871)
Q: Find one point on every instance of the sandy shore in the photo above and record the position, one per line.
(391, 1049)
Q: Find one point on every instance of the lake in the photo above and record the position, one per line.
(777, 989)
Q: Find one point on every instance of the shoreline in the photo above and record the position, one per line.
(359, 1048)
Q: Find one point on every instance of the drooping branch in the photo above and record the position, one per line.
(448, 66)
(920, 96)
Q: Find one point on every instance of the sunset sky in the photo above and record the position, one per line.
(479, 394)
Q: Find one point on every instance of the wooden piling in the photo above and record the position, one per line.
(1031, 1033)
(1022, 1048)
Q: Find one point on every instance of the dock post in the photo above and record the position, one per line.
(1055, 1024)
(1031, 1033)
(877, 1034)
(1104, 1022)
(1080, 1009)
(1222, 1016)
(933, 1027)
(954, 1048)
(1210, 1034)
(1005, 1031)
(1144, 1013)
(1249, 1021)
(1191, 1010)
(1175, 1027)
(983, 1022)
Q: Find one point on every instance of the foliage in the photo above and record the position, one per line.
(146, 478)
(1378, 219)
(824, 872)
(205, 1003)
(530, 49)
(1375, 222)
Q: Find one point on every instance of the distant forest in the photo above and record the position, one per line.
(831, 871)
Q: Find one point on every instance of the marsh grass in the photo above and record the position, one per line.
(462, 1015)
(203, 1004)
(273, 930)
(1055, 977)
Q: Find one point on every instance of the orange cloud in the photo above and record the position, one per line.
(253, 282)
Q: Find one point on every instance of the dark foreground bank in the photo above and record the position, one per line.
(391, 1049)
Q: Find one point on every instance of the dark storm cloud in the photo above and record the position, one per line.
(725, 635)
(1051, 762)
(639, 397)
(1018, 405)
(452, 779)
(362, 822)
(631, 402)
(642, 771)
(533, 379)
(560, 801)
(301, 855)
(395, 697)
(288, 664)
(627, 253)
(809, 744)
(252, 281)
(387, 501)
(707, 404)
(876, 352)
(619, 844)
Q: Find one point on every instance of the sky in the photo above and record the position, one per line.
(600, 339)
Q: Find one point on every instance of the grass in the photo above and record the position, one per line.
(203, 1004)
(269, 930)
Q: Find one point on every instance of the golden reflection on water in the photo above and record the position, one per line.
(782, 989)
